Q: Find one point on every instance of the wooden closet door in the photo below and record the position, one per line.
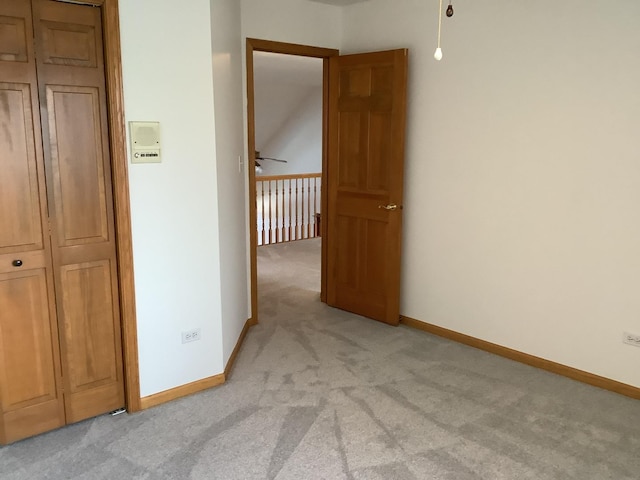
(30, 383)
(78, 170)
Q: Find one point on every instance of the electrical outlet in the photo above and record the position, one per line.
(631, 339)
(191, 336)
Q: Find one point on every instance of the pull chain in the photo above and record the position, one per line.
(438, 53)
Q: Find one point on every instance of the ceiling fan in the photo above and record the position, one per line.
(259, 157)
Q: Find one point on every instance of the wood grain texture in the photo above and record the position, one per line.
(13, 36)
(541, 363)
(66, 50)
(31, 399)
(253, 44)
(121, 200)
(78, 167)
(253, 216)
(324, 201)
(367, 110)
(291, 48)
(20, 195)
(72, 87)
(181, 391)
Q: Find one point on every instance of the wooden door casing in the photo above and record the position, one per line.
(367, 110)
(257, 45)
(78, 171)
(31, 399)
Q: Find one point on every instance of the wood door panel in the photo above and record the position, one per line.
(375, 274)
(19, 196)
(30, 383)
(69, 44)
(91, 344)
(94, 401)
(30, 397)
(27, 366)
(382, 83)
(378, 168)
(90, 353)
(362, 278)
(351, 149)
(348, 260)
(13, 39)
(78, 170)
(63, 174)
(355, 82)
(365, 174)
(77, 164)
(30, 421)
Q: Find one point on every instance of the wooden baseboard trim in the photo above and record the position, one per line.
(199, 385)
(553, 367)
(232, 359)
(181, 391)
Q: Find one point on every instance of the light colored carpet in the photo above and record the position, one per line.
(318, 393)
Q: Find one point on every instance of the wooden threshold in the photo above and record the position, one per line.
(531, 360)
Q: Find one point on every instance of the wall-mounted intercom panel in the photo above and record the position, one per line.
(145, 142)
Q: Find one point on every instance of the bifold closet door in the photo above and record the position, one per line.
(73, 101)
(61, 358)
(30, 381)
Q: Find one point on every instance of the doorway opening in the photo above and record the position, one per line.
(298, 216)
(288, 136)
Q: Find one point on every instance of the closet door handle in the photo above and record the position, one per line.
(17, 263)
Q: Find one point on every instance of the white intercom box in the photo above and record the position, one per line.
(145, 142)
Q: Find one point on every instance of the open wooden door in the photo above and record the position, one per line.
(367, 111)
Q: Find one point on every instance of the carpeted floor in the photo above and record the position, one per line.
(318, 393)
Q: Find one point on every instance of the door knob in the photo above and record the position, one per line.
(17, 263)
(391, 206)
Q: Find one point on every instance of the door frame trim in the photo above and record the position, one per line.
(257, 45)
(121, 200)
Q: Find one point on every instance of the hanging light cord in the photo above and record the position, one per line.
(439, 23)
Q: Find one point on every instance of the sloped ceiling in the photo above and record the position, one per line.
(281, 84)
(289, 69)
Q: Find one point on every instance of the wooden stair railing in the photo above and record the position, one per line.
(288, 207)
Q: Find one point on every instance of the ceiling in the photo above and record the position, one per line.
(340, 3)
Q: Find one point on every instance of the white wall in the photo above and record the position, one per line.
(298, 140)
(167, 69)
(292, 21)
(522, 200)
(229, 128)
(523, 185)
